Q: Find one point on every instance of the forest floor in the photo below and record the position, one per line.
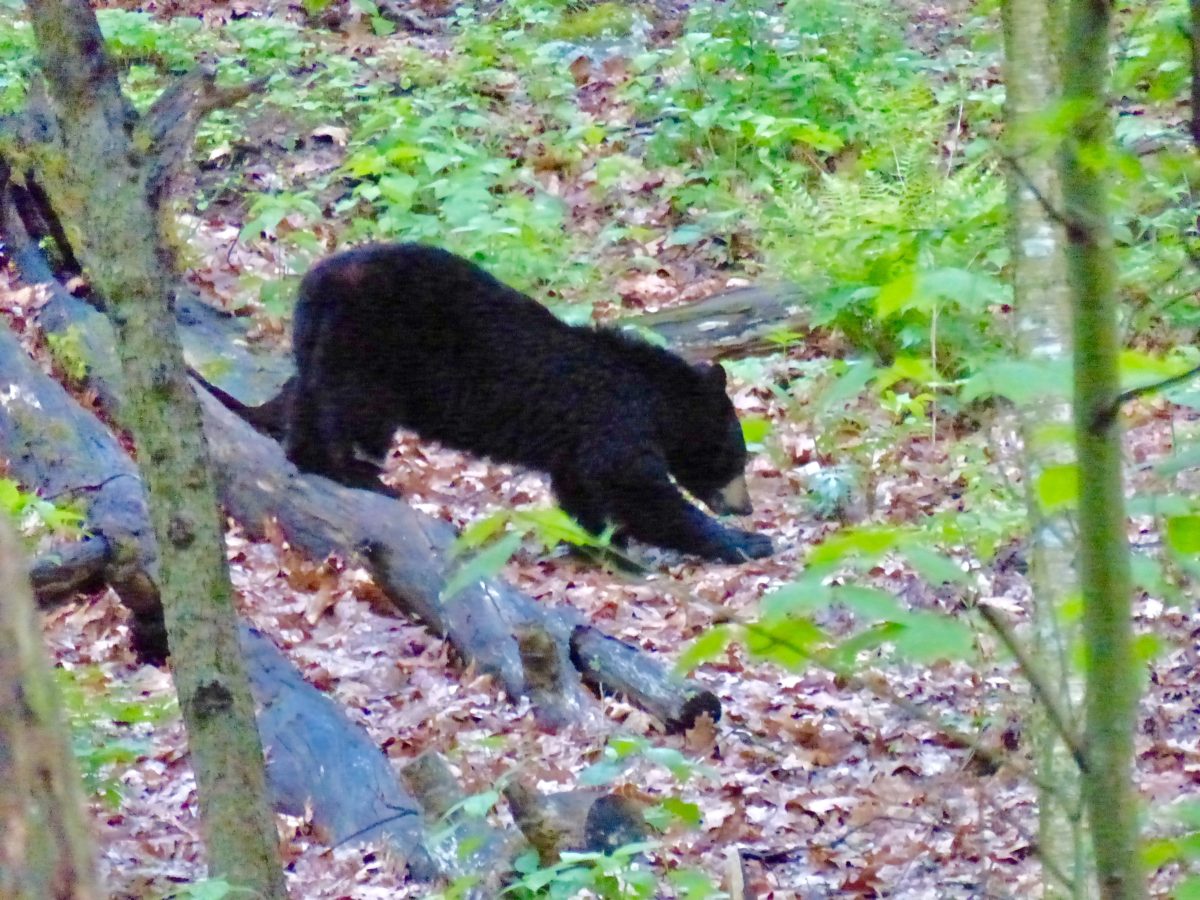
(826, 789)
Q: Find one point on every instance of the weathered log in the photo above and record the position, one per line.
(215, 342)
(319, 761)
(468, 844)
(64, 453)
(741, 322)
(400, 548)
(610, 666)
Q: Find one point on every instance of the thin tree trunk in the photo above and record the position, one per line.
(1194, 5)
(1043, 306)
(45, 851)
(99, 177)
(1112, 679)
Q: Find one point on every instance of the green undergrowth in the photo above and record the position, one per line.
(110, 727)
(560, 145)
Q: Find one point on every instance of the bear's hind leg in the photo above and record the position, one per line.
(579, 503)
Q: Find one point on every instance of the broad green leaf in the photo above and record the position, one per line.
(709, 645)
(1185, 396)
(896, 295)
(800, 597)
(908, 368)
(971, 290)
(755, 429)
(691, 884)
(868, 543)
(1157, 852)
(1181, 462)
(604, 772)
(552, 525)
(686, 234)
(1058, 487)
(1188, 889)
(483, 565)
(399, 190)
(930, 637)
(848, 386)
(1147, 573)
(674, 761)
(934, 567)
(1019, 381)
(788, 642)
(480, 532)
(681, 811)
(845, 654)
(1183, 534)
(1147, 647)
(869, 603)
(1159, 505)
(1188, 812)
(1139, 368)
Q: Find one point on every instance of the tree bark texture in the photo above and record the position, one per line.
(96, 176)
(1043, 306)
(45, 850)
(1194, 9)
(1112, 673)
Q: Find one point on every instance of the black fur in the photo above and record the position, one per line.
(268, 418)
(408, 335)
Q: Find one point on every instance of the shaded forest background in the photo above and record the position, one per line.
(615, 160)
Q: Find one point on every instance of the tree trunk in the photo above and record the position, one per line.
(99, 180)
(1112, 676)
(45, 851)
(1043, 306)
(1194, 6)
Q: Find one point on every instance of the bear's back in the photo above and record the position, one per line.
(458, 355)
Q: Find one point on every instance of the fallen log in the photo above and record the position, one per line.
(405, 553)
(320, 762)
(64, 453)
(610, 666)
(400, 548)
(741, 322)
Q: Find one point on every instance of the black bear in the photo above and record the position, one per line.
(409, 335)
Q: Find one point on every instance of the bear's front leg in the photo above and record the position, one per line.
(650, 508)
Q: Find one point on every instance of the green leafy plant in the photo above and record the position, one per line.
(607, 875)
(489, 543)
(789, 633)
(68, 353)
(105, 732)
(31, 512)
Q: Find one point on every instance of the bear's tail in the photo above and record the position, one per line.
(268, 418)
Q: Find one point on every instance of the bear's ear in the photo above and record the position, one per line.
(714, 375)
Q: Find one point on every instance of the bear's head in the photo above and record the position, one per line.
(710, 456)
